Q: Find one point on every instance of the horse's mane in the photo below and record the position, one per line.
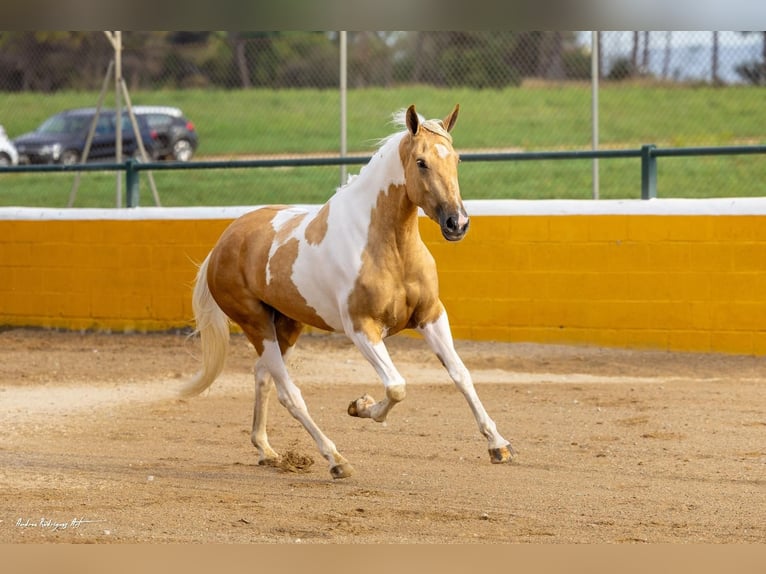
(399, 120)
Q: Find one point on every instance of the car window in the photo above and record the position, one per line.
(77, 124)
(127, 126)
(54, 125)
(104, 125)
(156, 121)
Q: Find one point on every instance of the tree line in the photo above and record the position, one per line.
(51, 61)
(637, 64)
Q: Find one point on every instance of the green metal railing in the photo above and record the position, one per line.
(648, 154)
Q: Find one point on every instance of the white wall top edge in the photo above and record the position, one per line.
(719, 206)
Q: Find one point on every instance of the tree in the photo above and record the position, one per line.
(238, 44)
(305, 59)
(464, 62)
(634, 52)
(48, 61)
(666, 55)
(144, 58)
(552, 67)
(754, 72)
(645, 55)
(714, 63)
(370, 59)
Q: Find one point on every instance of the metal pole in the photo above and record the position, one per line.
(648, 172)
(343, 111)
(91, 131)
(140, 143)
(118, 108)
(594, 107)
(132, 190)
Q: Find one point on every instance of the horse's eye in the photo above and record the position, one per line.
(422, 164)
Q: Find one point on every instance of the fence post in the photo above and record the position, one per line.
(648, 172)
(131, 183)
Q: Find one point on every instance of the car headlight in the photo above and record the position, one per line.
(53, 150)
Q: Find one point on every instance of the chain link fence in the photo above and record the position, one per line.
(266, 94)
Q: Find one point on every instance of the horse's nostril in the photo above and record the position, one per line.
(452, 223)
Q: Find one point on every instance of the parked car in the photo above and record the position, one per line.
(8, 153)
(62, 137)
(176, 135)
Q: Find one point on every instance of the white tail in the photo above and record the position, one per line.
(213, 328)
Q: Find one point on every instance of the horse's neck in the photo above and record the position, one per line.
(379, 191)
(384, 168)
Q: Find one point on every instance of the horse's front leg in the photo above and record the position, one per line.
(439, 338)
(377, 354)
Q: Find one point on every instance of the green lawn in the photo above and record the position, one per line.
(535, 118)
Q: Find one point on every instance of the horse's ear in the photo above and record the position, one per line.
(451, 119)
(413, 122)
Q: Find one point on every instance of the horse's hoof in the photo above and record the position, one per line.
(501, 455)
(361, 406)
(342, 470)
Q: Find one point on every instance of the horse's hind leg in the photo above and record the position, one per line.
(290, 397)
(259, 438)
(272, 343)
(288, 332)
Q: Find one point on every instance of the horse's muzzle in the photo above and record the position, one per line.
(454, 225)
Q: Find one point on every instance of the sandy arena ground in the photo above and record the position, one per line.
(613, 446)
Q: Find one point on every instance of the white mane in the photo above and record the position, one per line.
(399, 119)
(372, 169)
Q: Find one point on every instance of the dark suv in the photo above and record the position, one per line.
(61, 138)
(176, 135)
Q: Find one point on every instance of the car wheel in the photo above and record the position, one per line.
(182, 150)
(70, 157)
(5, 159)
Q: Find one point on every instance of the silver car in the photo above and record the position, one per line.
(8, 153)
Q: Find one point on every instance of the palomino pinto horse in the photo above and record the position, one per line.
(355, 265)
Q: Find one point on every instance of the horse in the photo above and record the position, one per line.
(354, 265)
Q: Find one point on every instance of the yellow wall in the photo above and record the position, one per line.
(106, 275)
(681, 282)
(692, 283)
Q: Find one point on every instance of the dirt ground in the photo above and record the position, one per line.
(613, 446)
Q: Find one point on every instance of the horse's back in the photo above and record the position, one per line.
(246, 242)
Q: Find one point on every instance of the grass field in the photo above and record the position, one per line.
(266, 122)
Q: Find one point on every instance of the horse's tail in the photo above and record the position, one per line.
(213, 328)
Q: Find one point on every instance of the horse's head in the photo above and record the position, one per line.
(430, 168)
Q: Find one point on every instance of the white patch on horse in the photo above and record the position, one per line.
(442, 150)
(280, 219)
(285, 215)
(325, 274)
